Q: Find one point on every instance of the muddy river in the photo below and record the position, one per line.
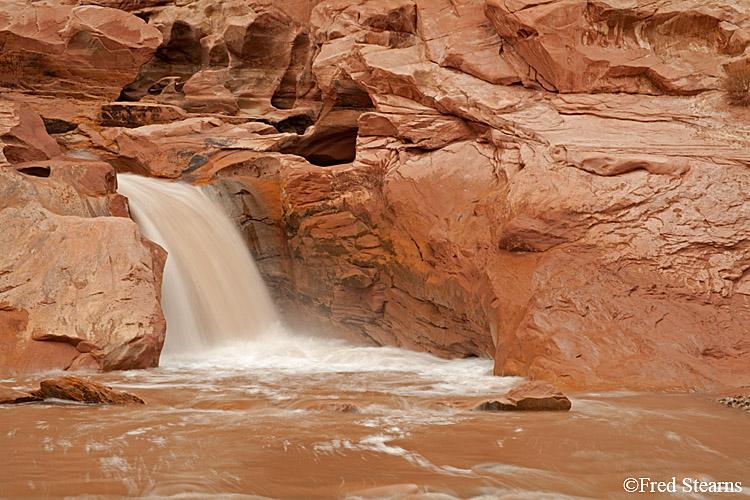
(291, 417)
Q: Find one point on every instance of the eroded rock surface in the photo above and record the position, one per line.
(557, 185)
(640, 47)
(79, 285)
(531, 396)
(83, 391)
(66, 50)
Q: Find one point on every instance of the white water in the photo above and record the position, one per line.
(220, 319)
(212, 291)
(248, 414)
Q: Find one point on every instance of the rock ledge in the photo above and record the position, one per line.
(532, 396)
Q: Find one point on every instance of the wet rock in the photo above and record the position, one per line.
(335, 407)
(84, 391)
(740, 401)
(10, 396)
(532, 396)
(71, 273)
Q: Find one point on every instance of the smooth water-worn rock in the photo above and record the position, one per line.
(79, 285)
(65, 51)
(531, 396)
(83, 391)
(641, 47)
(22, 135)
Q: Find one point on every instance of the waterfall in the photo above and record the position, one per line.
(212, 291)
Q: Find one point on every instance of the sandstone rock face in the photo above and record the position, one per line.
(69, 50)
(79, 286)
(532, 396)
(23, 135)
(76, 289)
(226, 57)
(645, 47)
(84, 391)
(556, 185)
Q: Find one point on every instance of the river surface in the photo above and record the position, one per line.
(242, 409)
(259, 419)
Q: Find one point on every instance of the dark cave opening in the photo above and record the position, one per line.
(330, 146)
(35, 171)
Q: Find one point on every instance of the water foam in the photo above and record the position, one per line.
(221, 320)
(278, 353)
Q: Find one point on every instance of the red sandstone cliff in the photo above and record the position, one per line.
(559, 185)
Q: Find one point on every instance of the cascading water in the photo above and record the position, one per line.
(259, 413)
(212, 290)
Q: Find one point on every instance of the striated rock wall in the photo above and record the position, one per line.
(558, 185)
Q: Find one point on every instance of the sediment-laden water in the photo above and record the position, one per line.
(212, 290)
(254, 420)
(243, 409)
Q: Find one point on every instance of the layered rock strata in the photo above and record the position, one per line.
(557, 185)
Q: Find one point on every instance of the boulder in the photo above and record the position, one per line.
(79, 285)
(531, 396)
(23, 136)
(66, 280)
(84, 391)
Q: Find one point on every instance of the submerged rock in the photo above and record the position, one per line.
(335, 407)
(532, 396)
(389, 491)
(10, 396)
(740, 401)
(85, 391)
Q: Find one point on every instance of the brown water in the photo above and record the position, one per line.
(241, 423)
(250, 420)
(212, 290)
